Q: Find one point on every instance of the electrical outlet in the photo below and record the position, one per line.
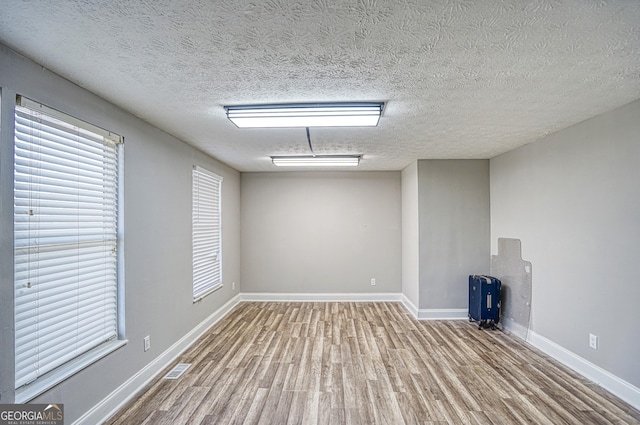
(373, 281)
(593, 341)
(233, 286)
(147, 343)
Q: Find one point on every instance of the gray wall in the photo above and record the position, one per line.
(454, 229)
(157, 232)
(321, 232)
(573, 199)
(410, 234)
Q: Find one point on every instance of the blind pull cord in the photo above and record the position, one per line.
(309, 140)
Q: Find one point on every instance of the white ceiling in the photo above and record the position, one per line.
(461, 78)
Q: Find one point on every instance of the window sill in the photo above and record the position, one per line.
(210, 291)
(46, 382)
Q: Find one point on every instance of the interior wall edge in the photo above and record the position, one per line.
(409, 305)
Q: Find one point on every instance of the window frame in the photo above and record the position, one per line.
(44, 381)
(202, 180)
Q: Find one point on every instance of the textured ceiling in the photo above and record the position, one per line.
(462, 78)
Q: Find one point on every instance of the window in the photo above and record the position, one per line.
(207, 250)
(66, 243)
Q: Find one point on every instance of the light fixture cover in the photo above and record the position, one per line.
(345, 114)
(317, 161)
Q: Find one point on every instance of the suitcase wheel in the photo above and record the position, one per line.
(487, 324)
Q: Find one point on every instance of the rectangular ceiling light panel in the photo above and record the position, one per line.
(316, 161)
(363, 114)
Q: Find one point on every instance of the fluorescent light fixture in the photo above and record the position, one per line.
(317, 161)
(345, 114)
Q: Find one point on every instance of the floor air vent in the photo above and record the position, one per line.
(177, 371)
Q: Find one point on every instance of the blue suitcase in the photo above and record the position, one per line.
(484, 300)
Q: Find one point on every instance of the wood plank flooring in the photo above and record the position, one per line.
(366, 363)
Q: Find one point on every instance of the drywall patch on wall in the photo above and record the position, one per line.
(515, 274)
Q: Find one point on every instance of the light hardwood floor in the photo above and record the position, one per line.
(366, 363)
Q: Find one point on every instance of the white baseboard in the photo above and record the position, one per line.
(125, 392)
(432, 314)
(516, 329)
(435, 313)
(409, 305)
(620, 388)
(443, 314)
(354, 297)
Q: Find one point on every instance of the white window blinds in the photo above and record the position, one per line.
(65, 239)
(207, 250)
